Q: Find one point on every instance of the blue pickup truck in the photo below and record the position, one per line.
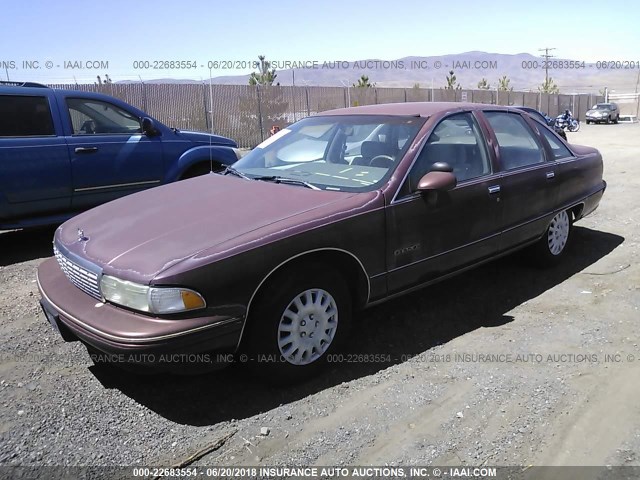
(64, 151)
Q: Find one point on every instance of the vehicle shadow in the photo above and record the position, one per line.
(23, 245)
(406, 326)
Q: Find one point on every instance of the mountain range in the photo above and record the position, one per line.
(526, 72)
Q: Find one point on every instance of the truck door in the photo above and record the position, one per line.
(110, 156)
(35, 171)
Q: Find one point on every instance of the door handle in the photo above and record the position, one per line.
(550, 175)
(494, 189)
(86, 149)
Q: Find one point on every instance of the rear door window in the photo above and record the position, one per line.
(557, 148)
(25, 116)
(518, 145)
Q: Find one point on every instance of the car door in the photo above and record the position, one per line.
(568, 171)
(528, 181)
(430, 234)
(35, 171)
(110, 156)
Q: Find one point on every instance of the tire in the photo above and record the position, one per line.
(588, 122)
(617, 119)
(278, 343)
(608, 120)
(551, 247)
(576, 128)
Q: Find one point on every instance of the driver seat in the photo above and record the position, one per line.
(370, 150)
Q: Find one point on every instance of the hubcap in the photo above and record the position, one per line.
(307, 326)
(558, 233)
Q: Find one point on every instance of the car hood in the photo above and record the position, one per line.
(200, 137)
(139, 236)
(597, 110)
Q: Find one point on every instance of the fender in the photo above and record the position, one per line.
(200, 154)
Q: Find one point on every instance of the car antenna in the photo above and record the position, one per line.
(211, 118)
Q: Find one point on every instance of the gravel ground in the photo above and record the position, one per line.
(511, 365)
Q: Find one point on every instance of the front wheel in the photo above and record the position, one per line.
(552, 246)
(302, 316)
(574, 126)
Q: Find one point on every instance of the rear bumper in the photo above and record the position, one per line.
(129, 336)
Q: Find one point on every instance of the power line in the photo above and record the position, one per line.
(546, 63)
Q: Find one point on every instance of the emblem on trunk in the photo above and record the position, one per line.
(81, 237)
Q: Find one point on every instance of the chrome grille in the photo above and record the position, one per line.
(84, 279)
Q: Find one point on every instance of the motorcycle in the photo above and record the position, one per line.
(565, 121)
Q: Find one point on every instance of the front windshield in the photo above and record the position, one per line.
(603, 106)
(341, 152)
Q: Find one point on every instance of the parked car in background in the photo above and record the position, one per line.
(64, 151)
(544, 118)
(603, 112)
(337, 212)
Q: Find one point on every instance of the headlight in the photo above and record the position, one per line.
(149, 299)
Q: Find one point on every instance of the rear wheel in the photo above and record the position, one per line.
(552, 246)
(301, 317)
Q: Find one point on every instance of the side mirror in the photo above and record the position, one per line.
(148, 127)
(440, 178)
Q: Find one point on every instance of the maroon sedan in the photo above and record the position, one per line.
(337, 212)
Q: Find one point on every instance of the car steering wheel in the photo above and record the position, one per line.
(382, 161)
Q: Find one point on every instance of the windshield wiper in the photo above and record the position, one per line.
(233, 171)
(286, 180)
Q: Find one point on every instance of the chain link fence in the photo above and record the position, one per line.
(246, 113)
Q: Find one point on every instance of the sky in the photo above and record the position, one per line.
(119, 37)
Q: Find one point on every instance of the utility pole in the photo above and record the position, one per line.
(546, 63)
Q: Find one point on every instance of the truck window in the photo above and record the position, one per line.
(91, 117)
(25, 116)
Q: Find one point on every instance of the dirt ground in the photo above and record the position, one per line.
(505, 365)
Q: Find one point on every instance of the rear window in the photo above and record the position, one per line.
(25, 116)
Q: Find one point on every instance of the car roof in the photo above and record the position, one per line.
(421, 109)
(526, 109)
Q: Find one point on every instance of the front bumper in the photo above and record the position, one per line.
(597, 119)
(126, 334)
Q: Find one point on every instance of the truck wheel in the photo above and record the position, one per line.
(303, 315)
